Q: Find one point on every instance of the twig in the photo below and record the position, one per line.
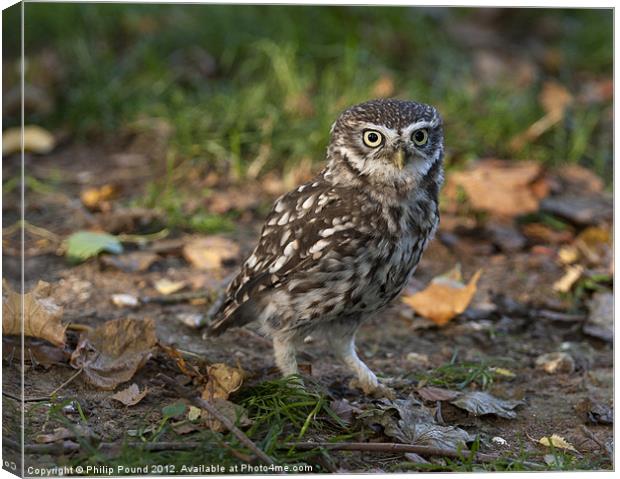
(17, 398)
(67, 381)
(201, 403)
(395, 447)
(558, 316)
(174, 298)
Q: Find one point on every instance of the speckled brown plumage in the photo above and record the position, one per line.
(342, 246)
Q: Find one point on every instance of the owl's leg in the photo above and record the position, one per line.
(344, 348)
(284, 352)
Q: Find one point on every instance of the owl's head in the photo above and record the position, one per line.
(387, 142)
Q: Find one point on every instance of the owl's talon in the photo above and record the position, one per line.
(373, 389)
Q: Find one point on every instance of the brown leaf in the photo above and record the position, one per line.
(130, 263)
(223, 380)
(210, 252)
(112, 353)
(41, 314)
(235, 413)
(500, 187)
(430, 393)
(187, 369)
(184, 427)
(131, 395)
(443, 299)
(580, 179)
(36, 351)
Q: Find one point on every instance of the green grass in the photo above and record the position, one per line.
(283, 73)
(459, 375)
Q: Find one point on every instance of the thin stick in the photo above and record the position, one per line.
(174, 298)
(201, 403)
(67, 381)
(17, 398)
(395, 447)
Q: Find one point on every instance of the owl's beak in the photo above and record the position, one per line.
(399, 158)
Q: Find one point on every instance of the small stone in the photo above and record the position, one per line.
(418, 358)
(600, 321)
(124, 300)
(554, 363)
(500, 441)
(193, 320)
(308, 339)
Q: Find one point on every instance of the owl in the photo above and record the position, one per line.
(339, 248)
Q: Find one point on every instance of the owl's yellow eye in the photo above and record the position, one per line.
(372, 138)
(420, 137)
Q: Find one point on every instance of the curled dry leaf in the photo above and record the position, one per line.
(223, 381)
(36, 140)
(41, 314)
(210, 252)
(501, 187)
(556, 441)
(186, 368)
(130, 396)
(443, 299)
(112, 353)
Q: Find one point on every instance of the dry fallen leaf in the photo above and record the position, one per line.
(210, 252)
(430, 393)
(130, 396)
(556, 441)
(36, 140)
(41, 314)
(570, 277)
(186, 368)
(165, 286)
(480, 403)
(443, 299)
(112, 353)
(501, 187)
(235, 413)
(93, 198)
(223, 380)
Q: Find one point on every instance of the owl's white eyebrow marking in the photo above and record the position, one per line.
(387, 132)
(420, 124)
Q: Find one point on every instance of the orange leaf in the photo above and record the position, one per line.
(443, 299)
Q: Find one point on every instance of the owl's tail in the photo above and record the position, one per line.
(229, 316)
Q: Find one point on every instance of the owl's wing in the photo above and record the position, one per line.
(302, 228)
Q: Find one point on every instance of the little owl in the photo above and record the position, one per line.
(340, 247)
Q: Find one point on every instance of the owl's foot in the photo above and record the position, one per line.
(373, 388)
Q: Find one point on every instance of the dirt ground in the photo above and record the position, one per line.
(487, 333)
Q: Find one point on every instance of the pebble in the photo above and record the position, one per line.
(122, 300)
(418, 358)
(500, 441)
